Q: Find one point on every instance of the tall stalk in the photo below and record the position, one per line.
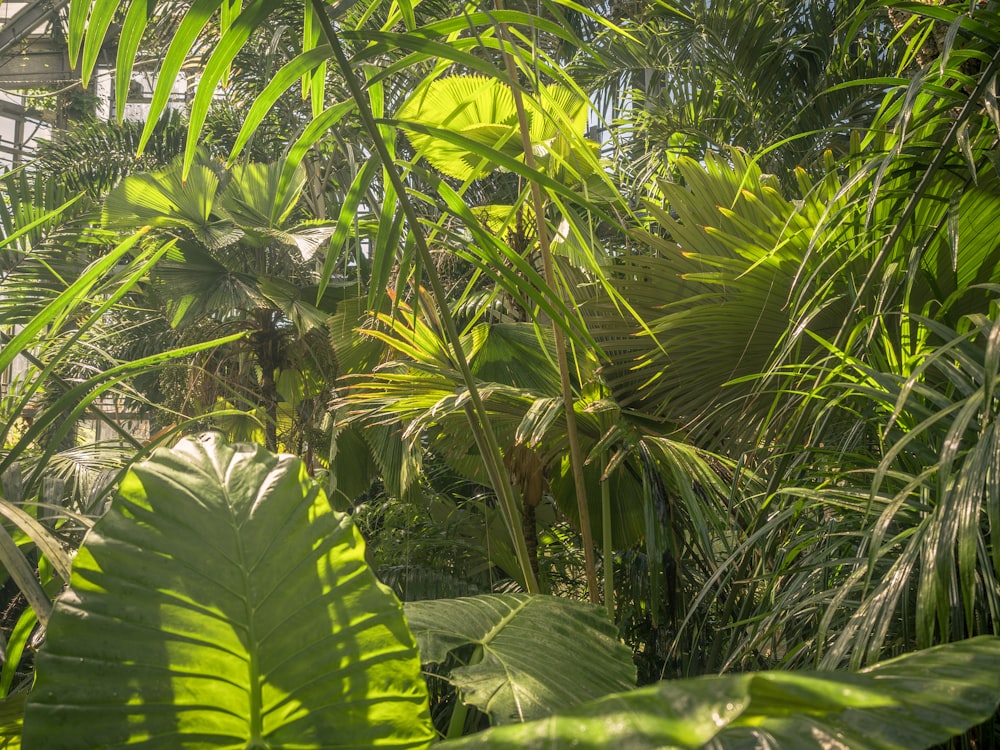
(576, 459)
(606, 547)
(476, 412)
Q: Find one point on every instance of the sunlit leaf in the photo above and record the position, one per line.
(913, 702)
(515, 676)
(230, 633)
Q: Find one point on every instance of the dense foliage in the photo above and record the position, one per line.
(688, 309)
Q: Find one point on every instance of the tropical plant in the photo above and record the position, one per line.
(891, 705)
(352, 45)
(855, 296)
(242, 263)
(290, 641)
(781, 387)
(59, 301)
(250, 643)
(781, 79)
(94, 156)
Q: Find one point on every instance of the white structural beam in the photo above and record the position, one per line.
(24, 23)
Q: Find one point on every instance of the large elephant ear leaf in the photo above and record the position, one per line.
(222, 603)
(916, 701)
(533, 655)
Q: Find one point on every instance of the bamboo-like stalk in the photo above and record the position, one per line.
(575, 452)
(609, 555)
(475, 411)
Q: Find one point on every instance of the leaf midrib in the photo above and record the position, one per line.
(502, 623)
(253, 666)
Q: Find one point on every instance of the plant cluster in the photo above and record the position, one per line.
(663, 334)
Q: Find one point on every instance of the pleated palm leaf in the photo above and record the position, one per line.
(877, 481)
(718, 288)
(662, 494)
(741, 281)
(482, 110)
(241, 262)
(747, 296)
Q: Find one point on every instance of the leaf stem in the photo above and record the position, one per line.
(456, 726)
(566, 387)
(606, 543)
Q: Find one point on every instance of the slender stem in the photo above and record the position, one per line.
(575, 451)
(609, 555)
(456, 726)
(476, 413)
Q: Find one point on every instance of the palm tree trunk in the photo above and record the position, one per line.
(528, 475)
(266, 345)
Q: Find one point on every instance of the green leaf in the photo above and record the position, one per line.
(316, 129)
(79, 12)
(259, 195)
(165, 199)
(222, 603)
(25, 226)
(345, 220)
(292, 71)
(523, 674)
(406, 10)
(287, 297)
(559, 108)
(478, 107)
(11, 719)
(14, 650)
(354, 469)
(23, 574)
(128, 48)
(517, 354)
(192, 25)
(660, 717)
(46, 542)
(231, 42)
(66, 302)
(916, 701)
(313, 83)
(97, 29)
(481, 109)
